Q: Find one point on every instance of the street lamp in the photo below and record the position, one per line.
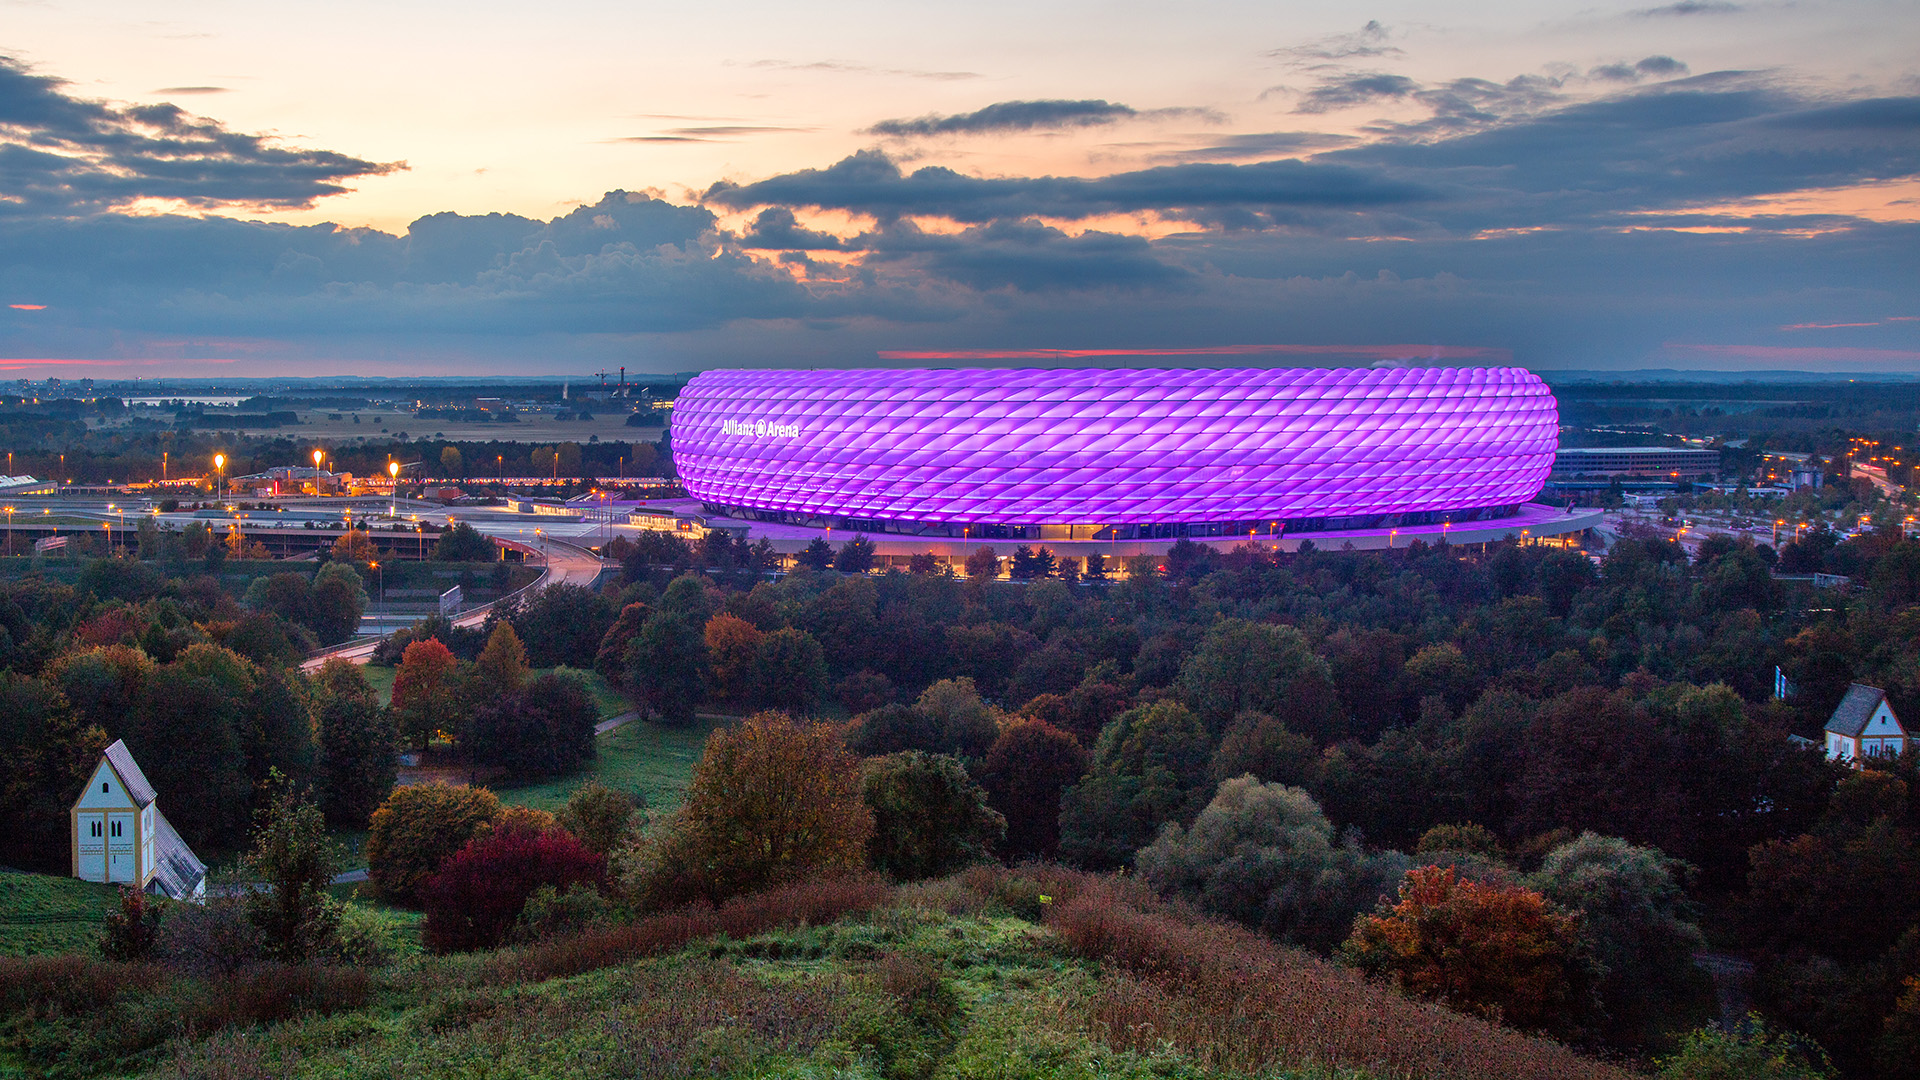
(319, 455)
(219, 469)
(393, 472)
(380, 576)
(9, 531)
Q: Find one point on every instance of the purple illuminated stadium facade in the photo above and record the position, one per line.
(1132, 453)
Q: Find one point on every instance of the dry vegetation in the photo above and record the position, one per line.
(1034, 971)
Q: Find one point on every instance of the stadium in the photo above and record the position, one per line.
(1125, 461)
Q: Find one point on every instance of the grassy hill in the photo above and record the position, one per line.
(40, 913)
(1036, 972)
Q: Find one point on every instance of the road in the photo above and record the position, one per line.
(566, 564)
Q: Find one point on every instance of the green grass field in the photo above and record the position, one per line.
(647, 759)
(41, 913)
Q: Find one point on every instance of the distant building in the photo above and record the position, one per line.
(1864, 725)
(1652, 461)
(120, 835)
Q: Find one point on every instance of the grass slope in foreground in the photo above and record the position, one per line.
(1037, 972)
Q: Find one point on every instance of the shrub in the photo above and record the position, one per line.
(771, 801)
(131, 929)
(929, 816)
(1264, 855)
(1498, 951)
(367, 937)
(418, 828)
(293, 857)
(211, 938)
(1027, 769)
(1753, 1053)
(600, 817)
(476, 896)
(550, 912)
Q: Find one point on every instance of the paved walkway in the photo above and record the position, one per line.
(610, 723)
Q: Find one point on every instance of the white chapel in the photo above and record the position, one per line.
(120, 835)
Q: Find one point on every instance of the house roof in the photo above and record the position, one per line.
(177, 872)
(1851, 716)
(129, 772)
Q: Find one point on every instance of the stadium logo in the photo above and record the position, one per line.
(759, 429)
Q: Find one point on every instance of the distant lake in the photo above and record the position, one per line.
(227, 402)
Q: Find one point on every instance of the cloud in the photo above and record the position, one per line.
(1347, 91)
(1653, 67)
(1691, 7)
(1009, 116)
(61, 154)
(1261, 145)
(872, 183)
(776, 228)
(193, 90)
(1366, 43)
(843, 67)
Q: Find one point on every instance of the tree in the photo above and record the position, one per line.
(1149, 768)
(450, 460)
(817, 555)
(1026, 771)
(463, 543)
(1641, 927)
(294, 858)
(666, 668)
(1096, 567)
(789, 671)
(562, 624)
(855, 557)
(419, 827)
(929, 817)
(1265, 855)
(358, 744)
(189, 732)
(772, 801)
(733, 648)
(473, 900)
(1498, 951)
(501, 670)
(339, 596)
(960, 722)
(287, 595)
(1242, 666)
(983, 562)
(542, 729)
(611, 658)
(1261, 746)
(600, 817)
(355, 546)
(423, 692)
(46, 753)
(130, 930)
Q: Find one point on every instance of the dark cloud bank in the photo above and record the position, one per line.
(1512, 217)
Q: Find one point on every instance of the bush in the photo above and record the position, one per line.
(131, 930)
(367, 937)
(474, 899)
(551, 913)
(418, 828)
(929, 816)
(1264, 855)
(211, 938)
(600, 817)
(771, 801)
(1754, 1053)
(1502, 952)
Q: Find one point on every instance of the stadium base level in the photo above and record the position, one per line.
(1533, 522)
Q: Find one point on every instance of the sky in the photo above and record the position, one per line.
(430, 189)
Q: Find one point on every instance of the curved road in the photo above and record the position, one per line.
(566, 564)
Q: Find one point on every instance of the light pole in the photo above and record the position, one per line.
(220, 472)
(319, 455)
(393, 472)
(9, 531)
(381, 577)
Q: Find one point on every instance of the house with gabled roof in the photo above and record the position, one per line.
(1864, 725)
(120, 835)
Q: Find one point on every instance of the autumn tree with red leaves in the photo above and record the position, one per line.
(1502, 952)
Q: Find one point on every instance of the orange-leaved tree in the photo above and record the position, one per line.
(423, 692)
(772, 801)
(1500, 951)
(732, 645)
(501, 669)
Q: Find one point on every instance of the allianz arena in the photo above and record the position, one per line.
(1115, 454)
